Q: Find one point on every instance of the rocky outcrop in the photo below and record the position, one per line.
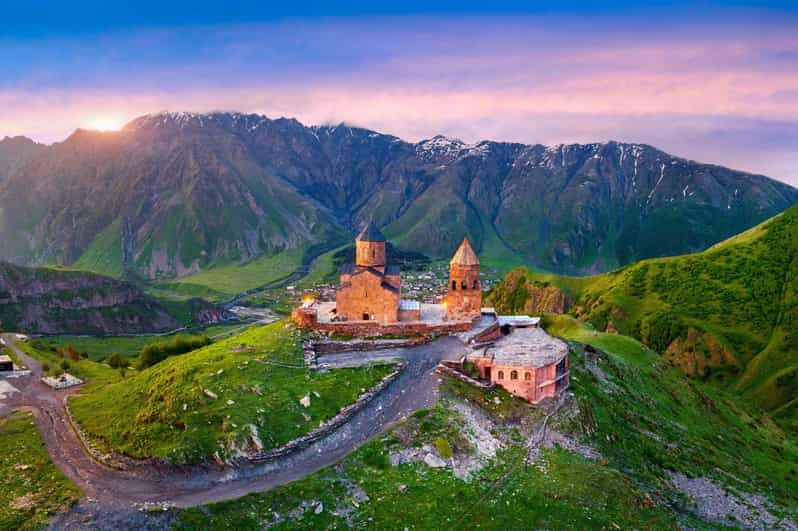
(700, 352)
(516, 294)
(51, 301)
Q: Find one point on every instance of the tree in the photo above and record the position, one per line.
(64, 365)
(115, 361)
(45, 367)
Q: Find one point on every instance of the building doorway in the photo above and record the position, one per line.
(366, 317)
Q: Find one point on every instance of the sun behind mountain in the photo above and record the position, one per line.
(106, 123)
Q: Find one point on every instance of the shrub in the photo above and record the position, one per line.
(71, 352)
(115, 361)
(374, 457)
(64, 365)
(45, 367)
(157, 352)
(444, 448)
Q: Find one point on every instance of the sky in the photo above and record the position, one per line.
(710, 81)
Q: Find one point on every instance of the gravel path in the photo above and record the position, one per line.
(116, 492)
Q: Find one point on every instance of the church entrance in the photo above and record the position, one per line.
(366, 317)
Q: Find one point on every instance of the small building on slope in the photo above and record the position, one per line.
(527, 362)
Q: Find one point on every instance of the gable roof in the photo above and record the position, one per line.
(370, 233)
(465, 255)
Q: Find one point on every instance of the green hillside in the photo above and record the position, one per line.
(635, 426)
(729, 314)
(190, 407)
(33, 490)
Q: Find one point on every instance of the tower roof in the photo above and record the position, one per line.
(370, 233)
(465, 255)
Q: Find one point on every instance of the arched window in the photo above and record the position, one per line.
(527, 376)
(501, 375)
(476, 284)
(514, 375)
(463, 284)
(454, 285)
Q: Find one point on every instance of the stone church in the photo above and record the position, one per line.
(371, 289)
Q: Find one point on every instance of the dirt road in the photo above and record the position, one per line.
(112, 490)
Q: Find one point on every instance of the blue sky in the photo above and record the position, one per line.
(711, 81)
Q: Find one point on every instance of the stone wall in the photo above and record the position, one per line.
(409, 315)
(306, 318)
(365, 294)
(454, 373)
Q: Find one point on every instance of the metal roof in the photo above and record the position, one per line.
(518, 320)
(406, 304)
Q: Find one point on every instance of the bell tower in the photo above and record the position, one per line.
(464, 298)
(370, 248)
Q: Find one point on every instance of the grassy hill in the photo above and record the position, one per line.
(644, 427)
(190, 407)
(33, 489)
(729, 314)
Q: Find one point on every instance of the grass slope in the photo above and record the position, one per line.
(729, 313)
(98, 348)
(32, 490)
(638, 413)
(258, 379)
(223, 282)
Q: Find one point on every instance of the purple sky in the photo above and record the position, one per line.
(720, 89)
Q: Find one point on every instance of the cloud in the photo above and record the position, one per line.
(719, 91)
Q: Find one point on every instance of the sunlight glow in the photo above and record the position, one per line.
(106, 123)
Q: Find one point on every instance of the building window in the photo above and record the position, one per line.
(463, 284)
(454, 285)
(527, 376)
(514, 375)
(476, 284)
(501, 375)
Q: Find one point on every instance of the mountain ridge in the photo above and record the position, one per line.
(172, 194)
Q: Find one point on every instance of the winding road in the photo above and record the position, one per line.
(110, 489)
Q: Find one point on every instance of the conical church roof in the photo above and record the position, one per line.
(370, 233)
(465, 255)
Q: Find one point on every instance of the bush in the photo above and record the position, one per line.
(115, 361)
(444, 448)
(157, 352)
(45, 367)
(64, 365)
(71, 352)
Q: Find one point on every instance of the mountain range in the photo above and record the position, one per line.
(172, 194)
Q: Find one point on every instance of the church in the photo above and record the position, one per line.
(369, 300)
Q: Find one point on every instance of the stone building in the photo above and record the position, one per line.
(370, 289)
(464, 298)
(368, 300)
(527, 362)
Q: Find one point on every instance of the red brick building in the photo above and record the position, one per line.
(370, 289)
(528, 362)
(464, 298)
